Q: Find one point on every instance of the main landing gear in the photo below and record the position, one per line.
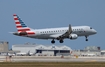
(61, 41)
(86, 38)
(53, 41)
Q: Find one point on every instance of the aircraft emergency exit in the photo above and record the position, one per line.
(61, 33)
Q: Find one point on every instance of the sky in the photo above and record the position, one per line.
(40, 14)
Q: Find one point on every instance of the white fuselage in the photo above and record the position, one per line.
(48, 32)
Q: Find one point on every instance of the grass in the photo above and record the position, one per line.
(52, 64)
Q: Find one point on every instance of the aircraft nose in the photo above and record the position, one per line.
(94, 31)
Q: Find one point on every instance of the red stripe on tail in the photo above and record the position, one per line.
(15, 18)
(14, 15)
(19, 26)
(17, 22)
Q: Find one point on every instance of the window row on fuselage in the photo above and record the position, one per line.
(57, 31)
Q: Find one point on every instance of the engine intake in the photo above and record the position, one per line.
(73, 36)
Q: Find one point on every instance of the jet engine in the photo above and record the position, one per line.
(20, 33)
(73, 36)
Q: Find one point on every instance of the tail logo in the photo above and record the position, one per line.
(20, 24)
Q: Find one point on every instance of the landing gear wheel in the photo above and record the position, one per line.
(61, 41)
(86, 39)
(52, 41)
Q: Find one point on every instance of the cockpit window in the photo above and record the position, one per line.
(90, 27)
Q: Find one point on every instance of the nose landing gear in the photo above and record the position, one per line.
(86, 38)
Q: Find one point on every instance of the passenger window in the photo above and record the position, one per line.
(90, 27)
(79, 29)
(75, 29)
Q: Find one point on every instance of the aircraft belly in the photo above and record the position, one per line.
(41, 37)
(47, 36)
(83, 34)
(80, 34)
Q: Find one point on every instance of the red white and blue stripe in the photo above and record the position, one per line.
(21, 27)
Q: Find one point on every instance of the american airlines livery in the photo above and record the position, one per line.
(61, 33)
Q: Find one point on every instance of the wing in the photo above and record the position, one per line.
(66, 34)
(62, 36)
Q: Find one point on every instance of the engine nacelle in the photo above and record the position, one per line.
(20, 33)
(73, 36)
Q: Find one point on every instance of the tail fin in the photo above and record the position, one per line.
(20, 24)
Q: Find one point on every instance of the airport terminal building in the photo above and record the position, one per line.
(49, 50)
(39, 49)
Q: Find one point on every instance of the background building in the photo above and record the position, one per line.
(92, 48)
(3, 46)
(88, 51)
(103, 52)
(51, 50)
(48, 50)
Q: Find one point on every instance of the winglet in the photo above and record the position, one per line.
(70, 29)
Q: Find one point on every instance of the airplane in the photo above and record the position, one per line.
(30, 53)
(25, 54)
(21, 54)
(11, 54)
(61, 33)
